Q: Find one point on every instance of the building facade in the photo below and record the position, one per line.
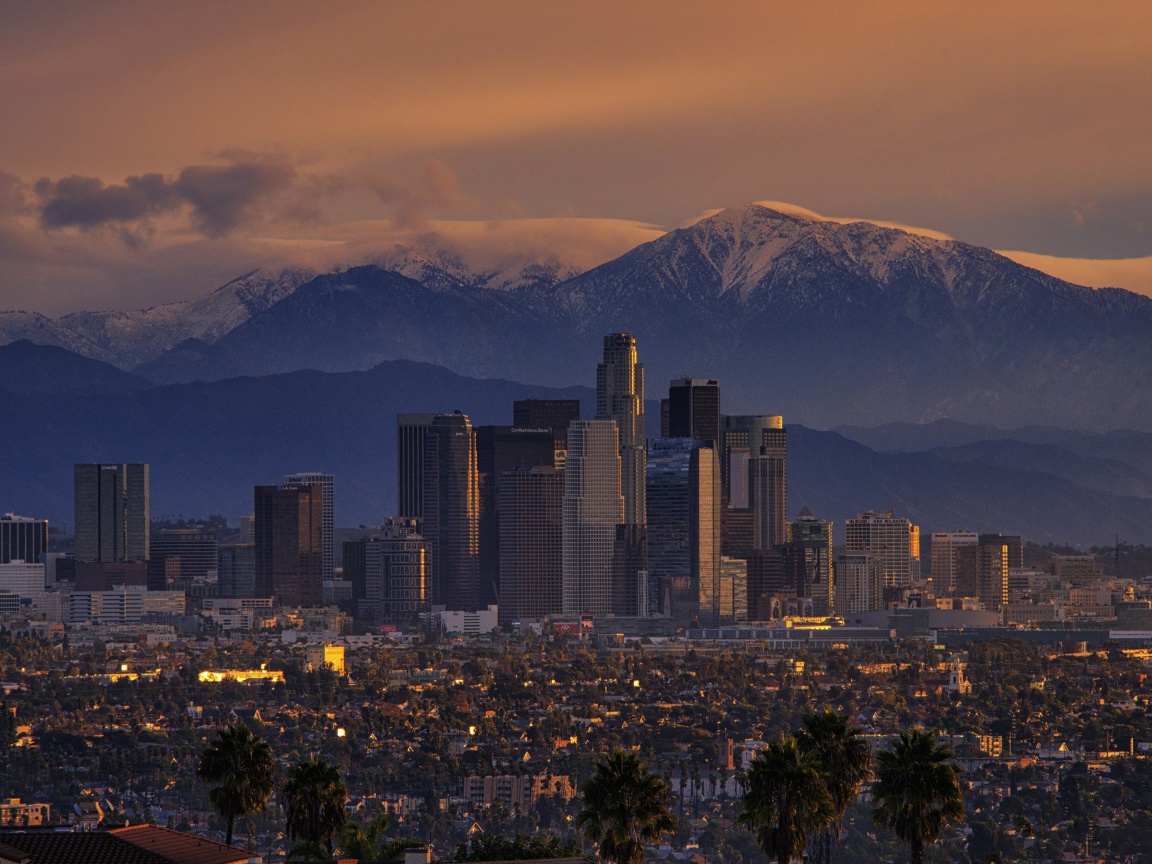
(327, 484)
(450, 521)
(531, 564)
(620, 398)
(112, 512)
(411, 430)
(694, 409)
(22, 538)
(289, 545)
(684, 529)
(593, 507)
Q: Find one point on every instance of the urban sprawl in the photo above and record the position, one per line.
(550, 596)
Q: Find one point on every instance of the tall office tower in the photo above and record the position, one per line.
(593, 507)
(181, 558)
(944, 546)
(684, 529)
(813, 538)
(236, 566)
(22, 538)
(289, 544)
(395, 573)
(982, 571)
(411, 430)
(554, 414)
(620, 397)
(767, 581)
(450, 521)
(112, 513)
(895, 543)
(1014, 543)
(744, 436)
(500, 449)
(733, 590)
(858, 583)
(992, 571)
(531, 543)
(767, 495)
(328, 534)
(694, 410)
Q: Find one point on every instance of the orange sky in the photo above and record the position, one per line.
(1017, 126)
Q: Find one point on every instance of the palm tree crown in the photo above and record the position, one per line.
(243, 766)
(786, 801)
(845, 762)
(625, 806)
(917, 789)
(314, 798)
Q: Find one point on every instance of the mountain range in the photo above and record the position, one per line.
(209, 443)
(826, 323)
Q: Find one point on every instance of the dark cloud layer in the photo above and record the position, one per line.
(220, 197)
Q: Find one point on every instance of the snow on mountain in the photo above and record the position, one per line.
(128, 339)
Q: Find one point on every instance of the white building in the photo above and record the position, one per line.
(858, 583)
(19, 577)
(895, 542)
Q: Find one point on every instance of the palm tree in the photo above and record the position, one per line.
(917, 789)
(243, 766)
(844, 760)
(785, 801)
(363, 842)
(314, 799)
(625, 806)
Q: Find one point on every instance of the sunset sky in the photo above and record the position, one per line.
(151, 151)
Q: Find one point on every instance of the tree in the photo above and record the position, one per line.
(314, 798)
(844, 761)
(243, 765)
(362, 842)
(917, 789)
(785, 802)
(625, 806)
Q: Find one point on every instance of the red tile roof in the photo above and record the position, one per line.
(180, 848)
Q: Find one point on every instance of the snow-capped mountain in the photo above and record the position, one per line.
(128, 339)
(825, 322)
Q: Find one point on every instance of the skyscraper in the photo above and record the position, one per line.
(684, 529)
(812, 538)
(289, 549)
(767, 497)
(112, 512)
(944, 546)
(620, 397)
(531, 543)
(593, 507)
(895, 543)
(395, 578)
(328, 534)
(181, 558)
(236, 566)
(450, 518)
(858, 583)
(554, 414)
(694, 409)
(500, 449)
(411, 429)
(745, 436)
(22, 538)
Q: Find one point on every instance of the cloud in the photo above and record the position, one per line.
(219, 197)
(222, 196)
(437, 187)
